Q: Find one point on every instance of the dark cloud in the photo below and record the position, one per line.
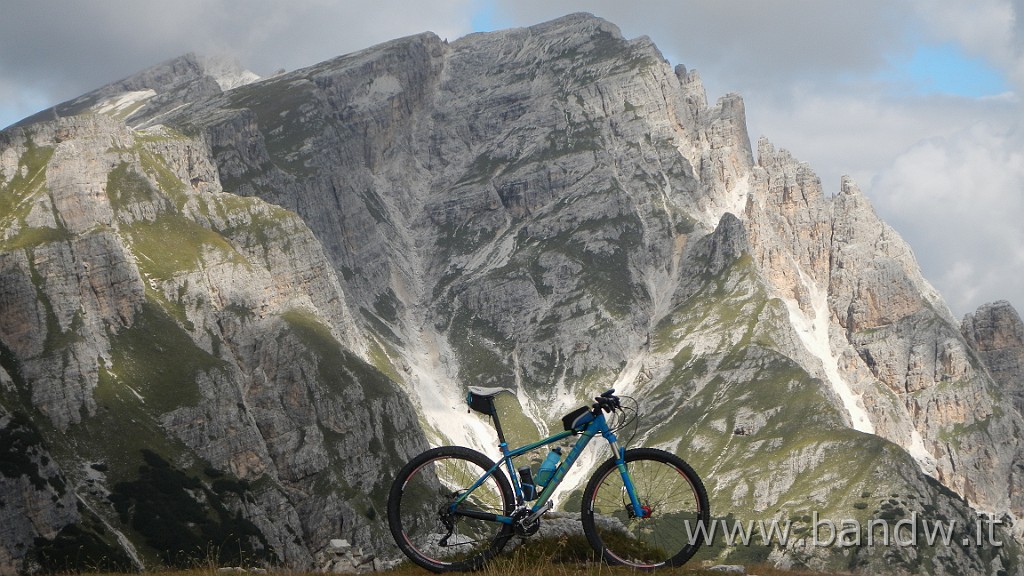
(60, 50)
(739, 44)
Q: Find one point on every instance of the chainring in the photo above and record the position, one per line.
(521, 524)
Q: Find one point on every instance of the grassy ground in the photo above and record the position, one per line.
(540, 557)
(511, 564)
(502, 569)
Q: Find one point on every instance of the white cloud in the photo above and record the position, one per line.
(962, 198)
(66, 49)
(988, 28)
(980, 25)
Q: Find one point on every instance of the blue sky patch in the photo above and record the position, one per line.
(946, 69)
(485, 16)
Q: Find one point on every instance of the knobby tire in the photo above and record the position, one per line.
(671, 495)
(419, 500)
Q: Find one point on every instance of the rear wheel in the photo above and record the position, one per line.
(420, 515)
(672, 503)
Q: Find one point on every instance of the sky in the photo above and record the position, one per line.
(919, 101)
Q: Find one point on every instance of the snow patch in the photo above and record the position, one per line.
(813, 334)
(918, 451)
(227, 72)
(733, 202)
(123, 102)
(441, 399)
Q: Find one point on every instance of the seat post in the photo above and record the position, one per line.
(497, 425)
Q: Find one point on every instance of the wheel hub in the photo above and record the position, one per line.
(645, 511)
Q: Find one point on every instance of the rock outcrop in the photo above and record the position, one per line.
(146, 312)
(996, 333)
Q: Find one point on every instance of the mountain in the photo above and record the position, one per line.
(178, 366)
(265, 295)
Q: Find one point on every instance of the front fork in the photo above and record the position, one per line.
(633, 507)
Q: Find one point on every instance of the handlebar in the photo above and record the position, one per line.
(607, 401)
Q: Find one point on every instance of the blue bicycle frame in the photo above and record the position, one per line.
(599, 425)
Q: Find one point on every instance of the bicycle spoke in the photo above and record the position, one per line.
(427, 510)
(669, 495)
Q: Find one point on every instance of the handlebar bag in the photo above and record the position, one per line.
(578, 419)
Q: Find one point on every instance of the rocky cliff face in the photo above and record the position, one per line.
(153, 322)
(996, 333)
(551, 209)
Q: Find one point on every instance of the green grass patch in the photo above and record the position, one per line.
(518, 428)
(85, 546)
(173, 244)
(121, 428)
(157, 359)
(338, 369)
(381, 355)
(184, 521)
(29, 179)
(33, 237)
(166, 179)
(263, 226)
(126, 187)
(159, 134)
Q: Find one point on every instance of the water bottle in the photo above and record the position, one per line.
(526, 481)
(547, 468)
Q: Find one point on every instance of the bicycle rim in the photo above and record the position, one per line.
(673, 502)
(423, 526)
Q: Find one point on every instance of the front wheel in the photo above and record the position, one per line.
(421, 515)
(672, 504)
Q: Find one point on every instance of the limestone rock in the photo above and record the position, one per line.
(996, 333)
(155, 312)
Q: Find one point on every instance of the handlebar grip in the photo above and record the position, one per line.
(607, 401)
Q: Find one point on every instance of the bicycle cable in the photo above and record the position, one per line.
(628, 416)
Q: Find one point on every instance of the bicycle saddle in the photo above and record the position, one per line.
(487, 392)
(482, 399)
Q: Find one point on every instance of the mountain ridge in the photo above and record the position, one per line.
(557, 208)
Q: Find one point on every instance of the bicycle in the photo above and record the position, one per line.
(452, 508)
